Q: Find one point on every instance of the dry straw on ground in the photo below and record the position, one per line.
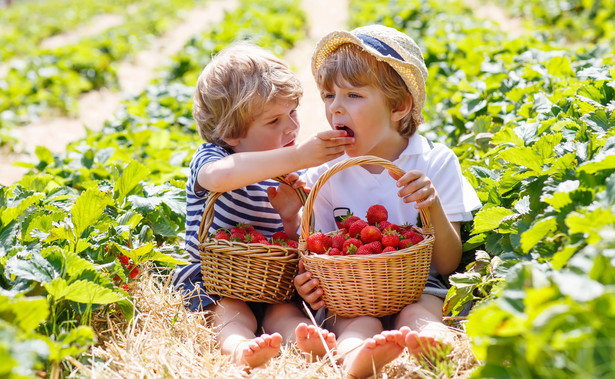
(164, 340)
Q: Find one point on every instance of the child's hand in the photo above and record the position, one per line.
(284, 198)
(417, 187)
(324, 147)
(307, 288)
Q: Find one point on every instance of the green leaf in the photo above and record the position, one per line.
(606, 163)
(489, 218)
(35, 268)
(538, 231)
(82, 291)
(131, 176)
(88, 207)
(12, 213)
(598, 121)
(523, 156)
(560, 66)
(25, 312)
(580, 288)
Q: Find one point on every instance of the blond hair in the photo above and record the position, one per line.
(235, 87)
(350, 63)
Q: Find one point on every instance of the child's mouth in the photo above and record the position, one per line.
(347, 129)
(291, 143)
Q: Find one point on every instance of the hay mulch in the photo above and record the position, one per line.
(164, 340)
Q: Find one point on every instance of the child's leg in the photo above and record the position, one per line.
(364, 347)
(288, 320)
(424, 318)
(237, 336)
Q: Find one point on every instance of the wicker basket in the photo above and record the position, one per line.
(246, 271)
(368, 285)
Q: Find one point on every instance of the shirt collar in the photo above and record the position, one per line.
(417, 145)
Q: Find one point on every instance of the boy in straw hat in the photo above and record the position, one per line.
(245, 109)
(372, 81)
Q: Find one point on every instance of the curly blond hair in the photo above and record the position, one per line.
(235, 87)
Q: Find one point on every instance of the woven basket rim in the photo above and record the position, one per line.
(306, 217)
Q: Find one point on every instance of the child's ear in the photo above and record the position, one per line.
(403, 109)
(231, 141)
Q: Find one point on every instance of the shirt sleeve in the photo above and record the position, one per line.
(458, 197)
(206, 153)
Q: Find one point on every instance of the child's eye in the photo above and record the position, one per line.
(272, 122)
(327, 96)
(354, 95)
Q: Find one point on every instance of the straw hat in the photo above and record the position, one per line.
(387, 45)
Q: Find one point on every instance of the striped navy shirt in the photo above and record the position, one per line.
(249, 205)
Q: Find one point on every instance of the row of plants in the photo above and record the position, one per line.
(533, 124)
(50, 81)
(585, 21)
(25, 24)
(78, 228)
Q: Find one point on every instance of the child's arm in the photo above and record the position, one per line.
(286, 201)
(416, 187)
(241, 169)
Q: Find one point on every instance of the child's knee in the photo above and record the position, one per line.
(427, 305)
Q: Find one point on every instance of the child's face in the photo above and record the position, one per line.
(277, 126)
(364, 113)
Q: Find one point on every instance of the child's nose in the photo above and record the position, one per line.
(291, 125)
(336, 105)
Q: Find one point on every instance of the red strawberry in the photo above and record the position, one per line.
(349, 220)
(364, 250)
(405, 243)
(257, 237)
(222, 234)
(292, 244)
(390, 238)
(237, 236)
(388, 249)
(356, 227)
(390, 226)
(415, 237)
(375, 246)
(350, 246)
(370, 234)
(334, 251)
(338, 240)
(247, 227)
(376, 213)
(124, 259)
(279, 236)
(134, 272)
(237, 230)
(383, 225)
(319, 242)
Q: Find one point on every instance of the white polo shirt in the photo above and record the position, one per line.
(356, 189)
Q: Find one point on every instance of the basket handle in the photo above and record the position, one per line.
(208, 213)
(306, 223)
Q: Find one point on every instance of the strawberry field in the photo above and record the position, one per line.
(531, 118)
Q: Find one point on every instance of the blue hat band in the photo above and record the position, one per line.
(379, 46)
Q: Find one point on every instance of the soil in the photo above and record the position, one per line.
(97, 106)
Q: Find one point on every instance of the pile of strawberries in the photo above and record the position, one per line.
(356, 236)
(245, 233)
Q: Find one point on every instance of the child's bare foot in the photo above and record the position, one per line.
(375, 353)
(432, 338)
(258, 351)
(309, 342)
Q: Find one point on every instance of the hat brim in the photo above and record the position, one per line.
(408, 71)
